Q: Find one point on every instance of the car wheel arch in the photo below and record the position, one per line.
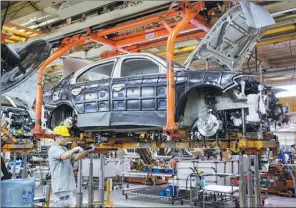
(181, 102)
(62, 107)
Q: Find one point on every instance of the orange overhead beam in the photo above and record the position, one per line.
(105, 41)
(163, 42)
(145, 31)
(138, 48)
(151, 36)
(102, 40)
(141, 22)
(200, 25)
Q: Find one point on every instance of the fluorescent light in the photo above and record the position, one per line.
(290, 91)
(276, 14)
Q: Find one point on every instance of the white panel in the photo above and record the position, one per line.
(184, 170)
(72, 8)
(73, 64)
(285, 138)
(113, 167)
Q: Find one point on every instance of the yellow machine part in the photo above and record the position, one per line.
(108, 202)
(256, 145)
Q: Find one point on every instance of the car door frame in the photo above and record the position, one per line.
(86, 68)
(118, 114)
(87, 87)
(155, 59)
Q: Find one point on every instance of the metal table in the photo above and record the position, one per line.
(197, 192)
(149, 191)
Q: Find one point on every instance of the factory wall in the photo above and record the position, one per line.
(286, 138)
(290, 101)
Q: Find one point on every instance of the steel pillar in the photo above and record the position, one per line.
(250, 196)
(101, 177)
(79, 193)
(91, 182)
(243, 112)
(25, 159)
(242, 184)
(257, 190)
(14, 166)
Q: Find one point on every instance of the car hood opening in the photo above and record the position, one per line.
(229, 41)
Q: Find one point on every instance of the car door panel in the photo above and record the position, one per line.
(92, 102)
(140, 102)
(59, 93)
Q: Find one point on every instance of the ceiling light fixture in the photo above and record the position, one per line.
(290, 91)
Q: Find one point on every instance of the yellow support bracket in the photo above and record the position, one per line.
(18, 147)
(135, 145)
(251, 145)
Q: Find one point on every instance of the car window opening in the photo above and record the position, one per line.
(135, 67)
(98, 72)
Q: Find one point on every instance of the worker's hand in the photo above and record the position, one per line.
(91, 148)
(78, 149)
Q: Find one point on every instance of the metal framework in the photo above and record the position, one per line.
(192, 25)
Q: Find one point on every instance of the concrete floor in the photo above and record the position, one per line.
(135, 201)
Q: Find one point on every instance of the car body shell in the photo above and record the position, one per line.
(130, 102)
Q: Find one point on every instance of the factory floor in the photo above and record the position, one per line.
(119, 200)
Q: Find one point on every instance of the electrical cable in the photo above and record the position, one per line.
(46, 20)
(248, 65)
(5, 14)
(19, 10)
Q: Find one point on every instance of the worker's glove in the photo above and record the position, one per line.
(91, 148)
(78, 149)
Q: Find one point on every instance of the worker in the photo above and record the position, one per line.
(62, 176)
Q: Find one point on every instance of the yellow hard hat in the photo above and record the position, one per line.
(61, 131)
